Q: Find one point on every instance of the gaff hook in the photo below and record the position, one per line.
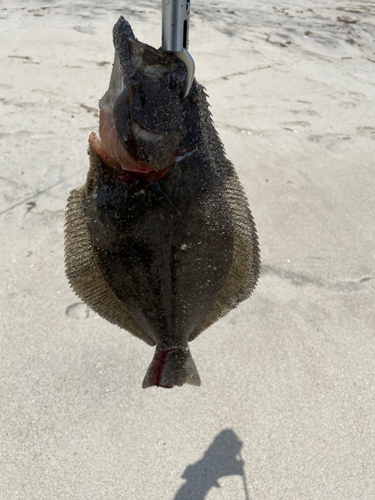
(175, 35)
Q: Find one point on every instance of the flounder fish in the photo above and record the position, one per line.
(160, 239)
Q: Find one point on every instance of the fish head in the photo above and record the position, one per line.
(142, 115)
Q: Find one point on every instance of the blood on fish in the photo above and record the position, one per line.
(156, 371)
(129, 176)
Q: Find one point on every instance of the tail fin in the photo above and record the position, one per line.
(170, 367)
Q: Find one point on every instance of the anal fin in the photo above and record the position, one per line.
(85, 277)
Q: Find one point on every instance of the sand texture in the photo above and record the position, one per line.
(286, 409)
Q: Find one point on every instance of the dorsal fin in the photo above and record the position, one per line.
(244, 272)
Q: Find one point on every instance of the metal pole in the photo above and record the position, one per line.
(175, 35)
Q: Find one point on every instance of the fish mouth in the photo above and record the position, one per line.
(111, 150)
(124, 143)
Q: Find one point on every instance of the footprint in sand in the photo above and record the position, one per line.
(78, 310)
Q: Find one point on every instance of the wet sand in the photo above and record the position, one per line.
(287, 403)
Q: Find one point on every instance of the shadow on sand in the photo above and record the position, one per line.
(221, 459)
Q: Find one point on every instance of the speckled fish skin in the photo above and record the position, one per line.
(165, 248)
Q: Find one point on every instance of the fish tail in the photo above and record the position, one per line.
(170, 367)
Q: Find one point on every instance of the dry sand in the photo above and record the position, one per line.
(287, 378)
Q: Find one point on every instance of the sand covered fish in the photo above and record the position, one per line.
(160, 239)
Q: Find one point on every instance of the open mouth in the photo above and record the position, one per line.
(108, 144)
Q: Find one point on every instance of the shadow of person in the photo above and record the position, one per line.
(218, 461)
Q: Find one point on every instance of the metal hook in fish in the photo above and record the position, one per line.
(175, 35)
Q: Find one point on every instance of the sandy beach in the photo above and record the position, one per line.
(286, 409)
